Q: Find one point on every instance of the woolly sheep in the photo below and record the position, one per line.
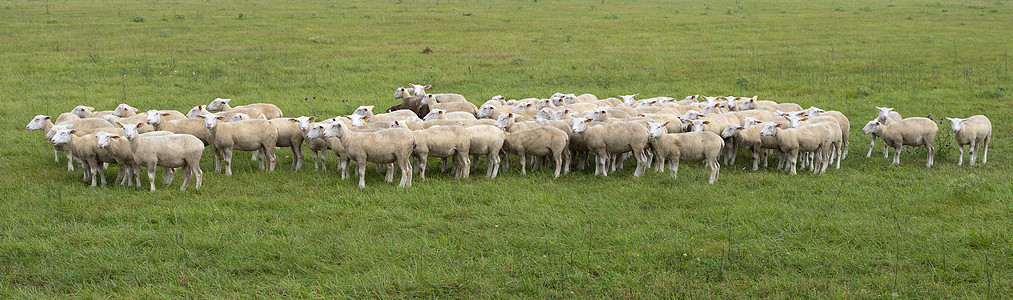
(443, 142)
(808, 138)
(118, 148)
(250, 135)
(83, 126)
(85, 149)
(291, 136)
(906, 132)
(612, 138)
(487, 140)
(124, 110)
(89, 112)
(540, 141)
(169, 151)
(835, 137)
(429, 100)
(270, 111)
(886, 116)
(972, 131)
(691, 146)
(381, 147)
(441, 114)
(316, 132)
(842, 121)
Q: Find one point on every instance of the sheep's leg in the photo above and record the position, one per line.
(406, 171)
(524, 163)
(261, 160)
(389, 177)
(715, 168)
(296, 157)
(567, 160)
(56, 155)
(443, 165)
(840, 155)
(641, 162)
(467, 164)
(824, 161)
(323, 159)
(343, 166)
(792, 161)
(187, 175)
(493, 166)
(474, 160)
(197, 173)
(603, 161)
(227, 161)
(218, 158)
(896, 155)
(932, 155)
(137, 174)
(271, 157)
(961, 160)
(558, 156)
(70, 161)
(505, 160)
(871, 145)
(673, 168)
(885, 154)
(316, 160)
(423, 164)
(535, 162)
(151, 176)
(361, 164)
(756, 152)
(984, 153)
(254, 157)
(119, 174)
(100, 173)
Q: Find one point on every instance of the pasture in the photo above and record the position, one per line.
(867, 230)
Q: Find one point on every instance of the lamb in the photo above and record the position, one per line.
(250, 135)
(169, 151)
(124, 110)
(614, 138)
(430, 100)
(441, 114)
(886, 116)
(85, 149)
(487, 140)
(807, 138)
(290, 135)
(907, 132)
(540, 141)
(89, 112)
(691, 146)
(270, 111)
(381, 147)
(972, 131)
(443, 142)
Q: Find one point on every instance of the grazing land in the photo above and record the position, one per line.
(869, 229)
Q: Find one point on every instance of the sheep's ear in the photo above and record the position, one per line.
(220, 118)
(706, 122)
(778, 125)
(637, 94)
(428, 86)
(803, 119)
(313, 118)
(47, 118)
(73, 131)
(740, 127)
(165, 114)
(666, 123)
(114, 136)
(292, 120)
(365, 117)
(139, 125)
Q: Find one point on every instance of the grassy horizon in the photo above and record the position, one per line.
(866, 230)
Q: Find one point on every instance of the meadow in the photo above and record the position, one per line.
(866, 230)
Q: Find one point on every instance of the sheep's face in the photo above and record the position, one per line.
(303, 122)
(317, 130)
(795, 121)
(560, 114)
(428, 99)
(436, 114)
(111, 118)
(657, 129)
(569, 98)
(769, 129)
(37, 123)
(239, 117)
(794, 114)
(217, 104)
(358, 120)
(730, 131)
(197, 111)
(543, 103)
(749, 122)
(56, 128)
(711, 108)
(748, 104)
(686, 123)
(210, 121)
(814, 112)
(104, 139)
(698, 125)
(498, 98)
(544, 114)
(871, 127)
(883, 113)
(420, 89)
(81, 110)
(365, 110)
(556, 101)
(580, 125)
(504, 120)
(62, 136)
(129, 130)
(334, 130)
(485, 111)
(122, 109)
(628, 99)
(643, 104)
(730, 102)
(402, 93)
(956, 124)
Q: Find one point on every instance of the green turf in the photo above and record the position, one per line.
(868, 230)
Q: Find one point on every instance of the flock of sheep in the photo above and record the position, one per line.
(564, 127)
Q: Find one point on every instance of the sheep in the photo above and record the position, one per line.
(749, 136)
(842, 121)
(316, 132)
(89, 112)
(270, 111)
(409, 102)
(85, 149)
(118, 148)
(290, 135)
(443, 142)
(429, 100)
(488, 111)
(197, 111)
(906, 132)
(84, 126)
(611, 138)
(124, 110)
(250, 135)
(487, 140)
(169, 151)
(886, 116)
(239, 117)
(716, 123)
(540, 141)
(318, 145)
(137, 118)
(692, 146)
(438, 98)
(367, 110)
(836, 136)
(807, 138)
(163, 115)
(586, 98)
(441, 114)
(972, 131)
(362, 119)
(381, 147)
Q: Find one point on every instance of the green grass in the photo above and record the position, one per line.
(866, 230)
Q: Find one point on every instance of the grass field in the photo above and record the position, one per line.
(867, 230)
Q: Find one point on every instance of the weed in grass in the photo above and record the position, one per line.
(51, 21)
(179, 17)
(140, 19)
(241, 16)
(863, 91)
(742, 82)
(320, 40)
(518, 60)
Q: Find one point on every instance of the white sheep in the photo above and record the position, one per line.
(842, 121)
(792, 141)
(614, 138)
(886, 116)
(442, 114)
(381, 147)
(118, 148)
(489, 111)
(540, 141)
(430, 100)
(691, 146)
(89, 112)
(169, 151)
(270, 111)
(85, 149)
(836, 137)
(250, 135)
(124, 110)
(83, 126)
(487, 140)
(906, 132)
(316, 132)
(291, 136)
(438, 98)
(972, 131)
(443, 142)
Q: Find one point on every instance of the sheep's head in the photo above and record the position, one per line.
(656, 130)
(497, 98)
(485, 111)
(239, 117)
(401, 92)
(871, 127)
(884, 112)
(210, 120)
(748, 104)
(504, 120)
(56, 128)
(435, 114)
(569, 98)
(303, 122)
(364, 110)
(814, 112)
(580, 124)
(731, 130)
(544, 114)
(37, 123)
(769, 129)
(82, 110)
(122, 109)
(197, 111)
(335, 129)
(645, 103)
(103, 139)
(698, 125)
(561, 113)
(316, 130)
(428, 99)
(358, 120)
(749, 122)
(419, 89)
(111, 119)
(795, 121)
(628, 99)
(956, 124)
(62, 136)
(217, 104)
(691, 115)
